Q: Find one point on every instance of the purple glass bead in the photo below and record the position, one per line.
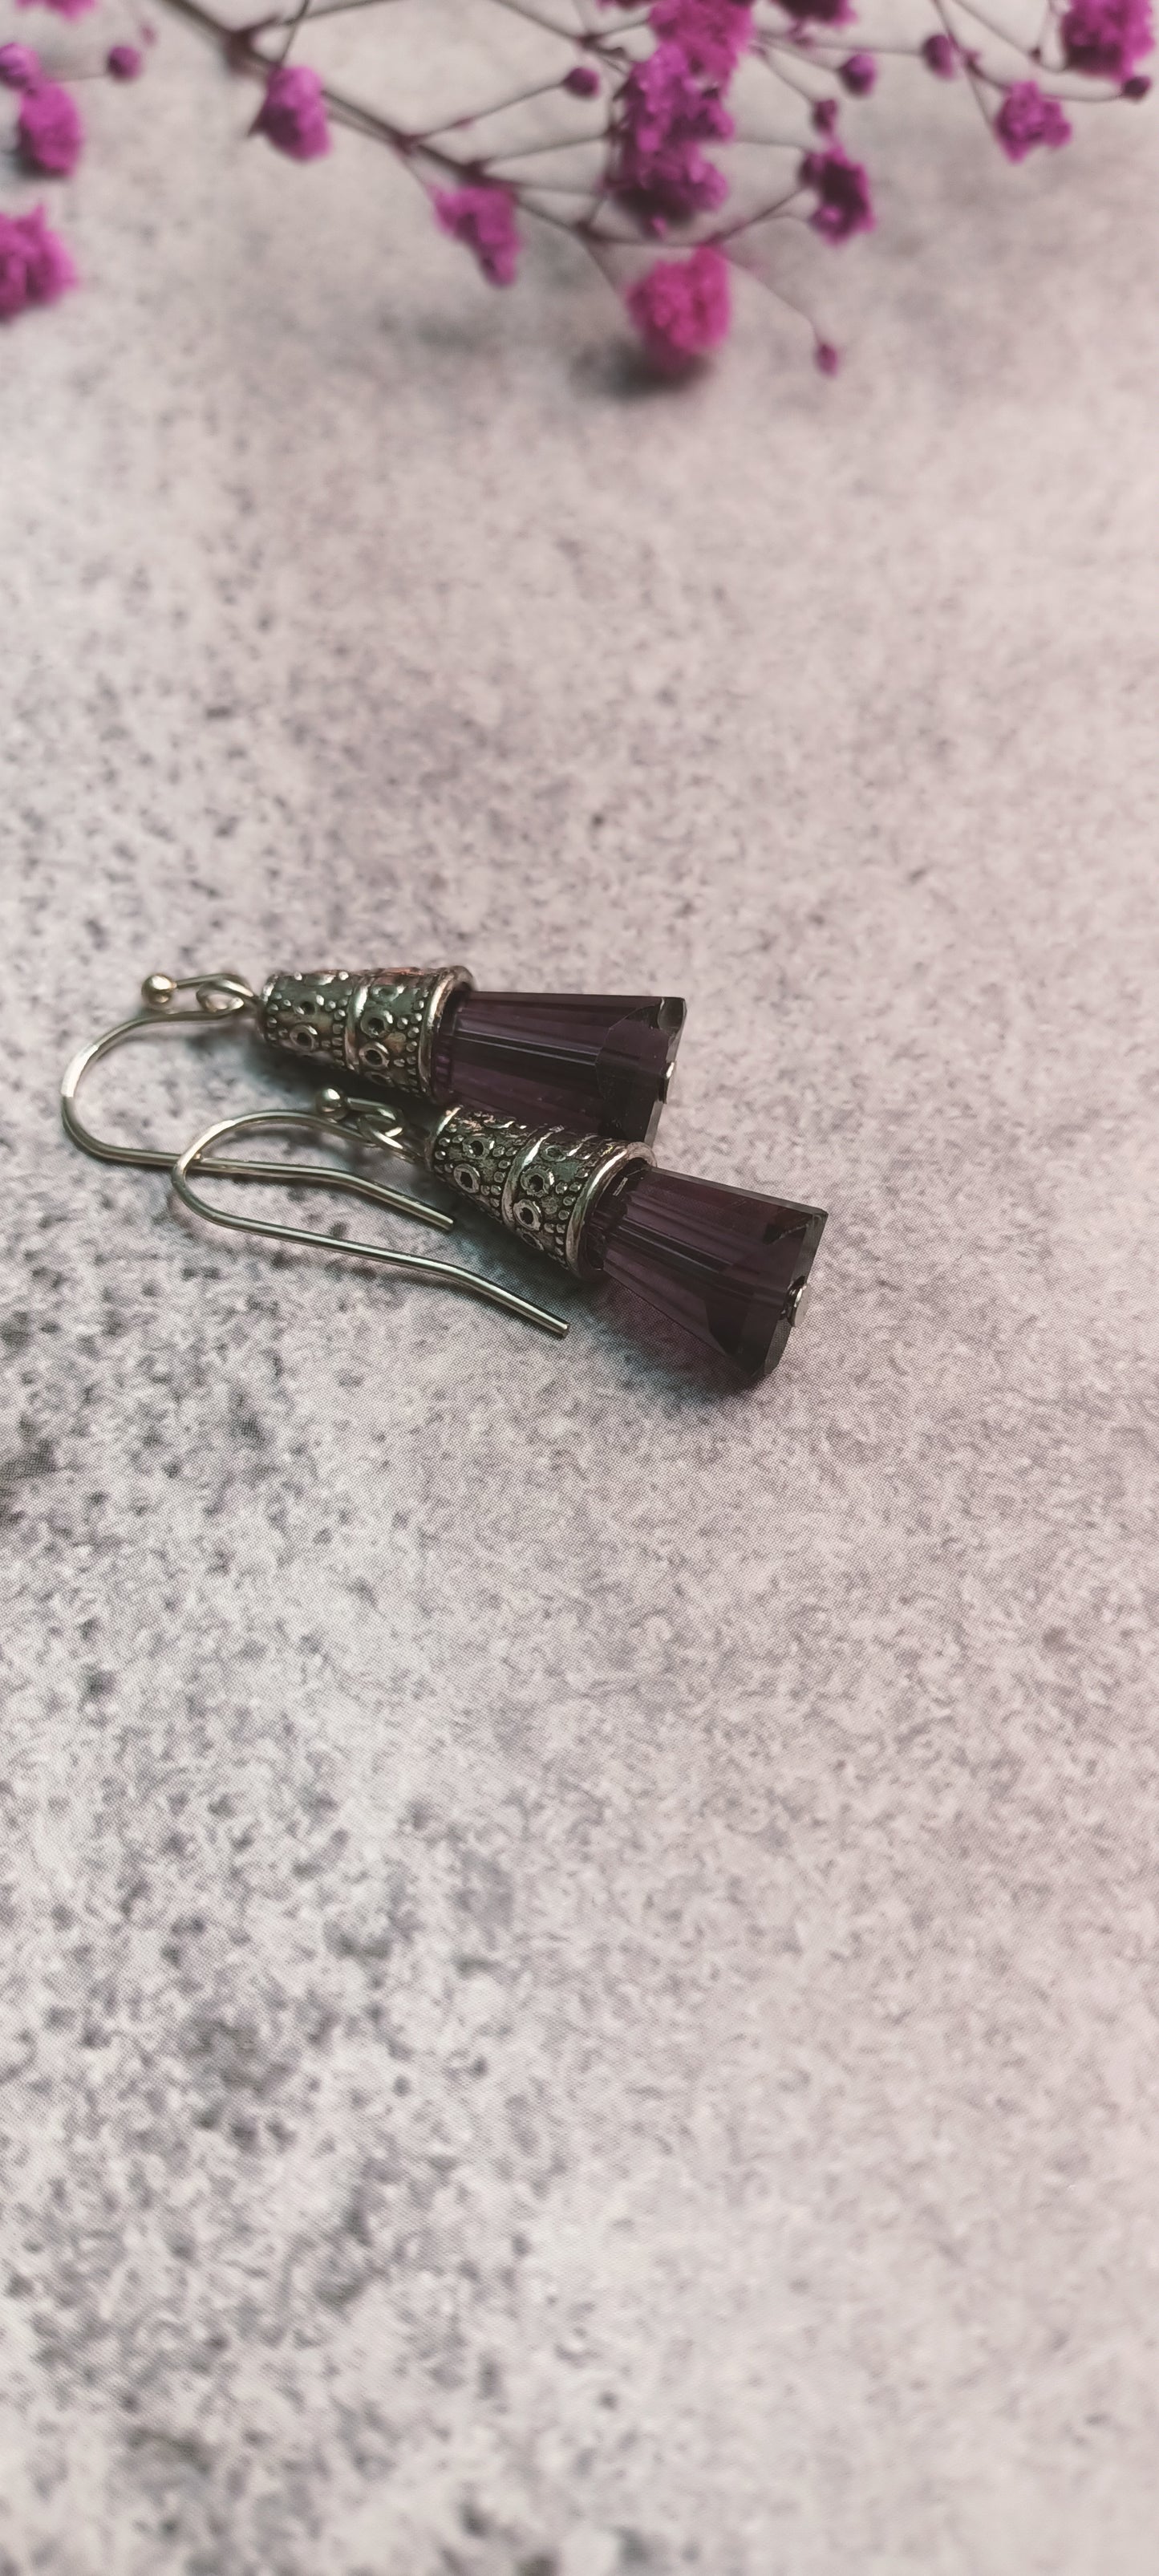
(599, 1064)
(725, 1265)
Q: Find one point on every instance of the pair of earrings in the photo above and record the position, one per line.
(540, 1108)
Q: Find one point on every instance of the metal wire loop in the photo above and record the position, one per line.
(219, 997)
(199, 1157)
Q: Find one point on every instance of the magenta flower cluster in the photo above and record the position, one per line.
(292, 115)
(655, 177)
(19, 67)
(682, 307)
(660, 172)
(1028, 119)
(34, 266)
(1107, 38)
(710, 35)
(49, 131)
(483, 219)
(62, 8)
(841, 189)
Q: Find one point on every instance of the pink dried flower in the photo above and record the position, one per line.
(49, 130)
(658, 81)
(858, 74)
(1028, 118)
(50, 269)
(682, 307)
(292, 115)
(13, 271)
(712, 34)
(940, 56)
(658, 168)
(844, 205)
(34, 265)
(829, 13)
(484, 219)
(19, 67)
(1107, 37)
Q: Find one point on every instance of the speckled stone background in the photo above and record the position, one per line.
(581, 1952)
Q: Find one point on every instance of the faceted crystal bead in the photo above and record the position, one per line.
(598, 1064)
(724, 1264)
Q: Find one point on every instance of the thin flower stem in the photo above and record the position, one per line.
(341, 8)
(478, 115)
(748, 223)
(776, 72)
(549, 188)
(301, 12)
(546, 26)
(558, 143)
(777, 292)
(1046, 27)
(824, 45)
(970, 9)
(976, 86)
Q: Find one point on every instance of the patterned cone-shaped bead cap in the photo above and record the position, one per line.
(542, 1183)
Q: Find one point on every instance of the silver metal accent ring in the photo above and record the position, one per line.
(522, 1164)
(354, 1010)
(453, 979)
(619, 1158)
(432, 1139)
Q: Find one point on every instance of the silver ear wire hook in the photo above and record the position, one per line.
(221, 997)
(198, 1157)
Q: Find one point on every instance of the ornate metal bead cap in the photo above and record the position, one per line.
(542, 1183)
(383, 1022)
(307, 1014)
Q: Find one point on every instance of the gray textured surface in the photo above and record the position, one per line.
(580, 1955)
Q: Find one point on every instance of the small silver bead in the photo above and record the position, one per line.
(157, 992)
(329, 1103)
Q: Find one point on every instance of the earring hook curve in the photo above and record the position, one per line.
(226, 997)
(198, 1157)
